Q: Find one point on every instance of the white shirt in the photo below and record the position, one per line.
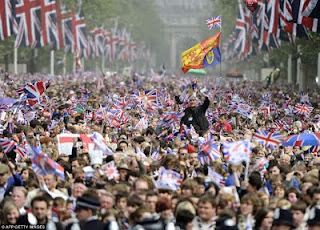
(198, 224)
(3, 191)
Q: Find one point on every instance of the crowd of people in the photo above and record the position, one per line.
(158, 159)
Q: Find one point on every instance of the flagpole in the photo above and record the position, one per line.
(220, 61)
(64, 64)
(52, 62)
(15, 60)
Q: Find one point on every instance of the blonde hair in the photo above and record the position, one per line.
(8, 207)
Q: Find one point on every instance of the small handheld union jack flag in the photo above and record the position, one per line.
(302, 109)
(214, 22)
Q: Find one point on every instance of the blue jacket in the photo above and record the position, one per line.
(13, 181)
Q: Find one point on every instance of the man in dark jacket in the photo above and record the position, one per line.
(86, 210)
(195, 115)
(39, 207)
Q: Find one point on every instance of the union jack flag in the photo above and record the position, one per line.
(43, 165)
(292, 14)
(50, 35)
(110, 170)
(35, 91)
(64, 21)
(91, 51)
(281, 124)
(28, 17)
(123, 45)
(89, 116)
(168, 179)
(208, 150)
(148, 97)
(8, 25)
(260, 163)
(216, 177)
(98, 35)
(302, 109)
(79, 31)
(7, 145)
(214, 22)
(132, 46)
(111, 40)
(169, 118)
(236, 152)
(268, 139)
(98, 140)
(311, 9)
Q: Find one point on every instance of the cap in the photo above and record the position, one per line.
(283, 217)
(87, 202)
(123, 166)
(4, 168)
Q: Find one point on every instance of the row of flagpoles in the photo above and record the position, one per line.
(48, 23)
(272, 22)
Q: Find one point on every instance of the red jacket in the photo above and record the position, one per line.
(226, 127)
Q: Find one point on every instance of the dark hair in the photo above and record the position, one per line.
(315, 190)
(121, 195)
(150, 131)
(134, 201)
(299, 206)
(183, 218)
(34, 123)
(40, 199)
(207, 198)
(259, 217)
(293, 190)
(255, 180)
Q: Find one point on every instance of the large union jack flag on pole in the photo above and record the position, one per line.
(80, 34)
(111, 42)
(28, 17)
(50, 35)
(8, 24)
(311, 9)
(214, 22)
(98, 35)
(64, 21)
(268, 139)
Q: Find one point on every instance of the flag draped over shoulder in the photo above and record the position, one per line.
(203, 54)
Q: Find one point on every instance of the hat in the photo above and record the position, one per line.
(4, 168)
(282, 216)
(191, 149)
(314, 216)
(87, 202)
(226, 223)
(123, 166)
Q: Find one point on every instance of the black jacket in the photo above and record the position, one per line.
(92, 224)
(196, 117)
(23, 220)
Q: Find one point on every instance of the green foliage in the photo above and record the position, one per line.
(138, 16)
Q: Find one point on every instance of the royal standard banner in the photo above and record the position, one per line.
(203, 54)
